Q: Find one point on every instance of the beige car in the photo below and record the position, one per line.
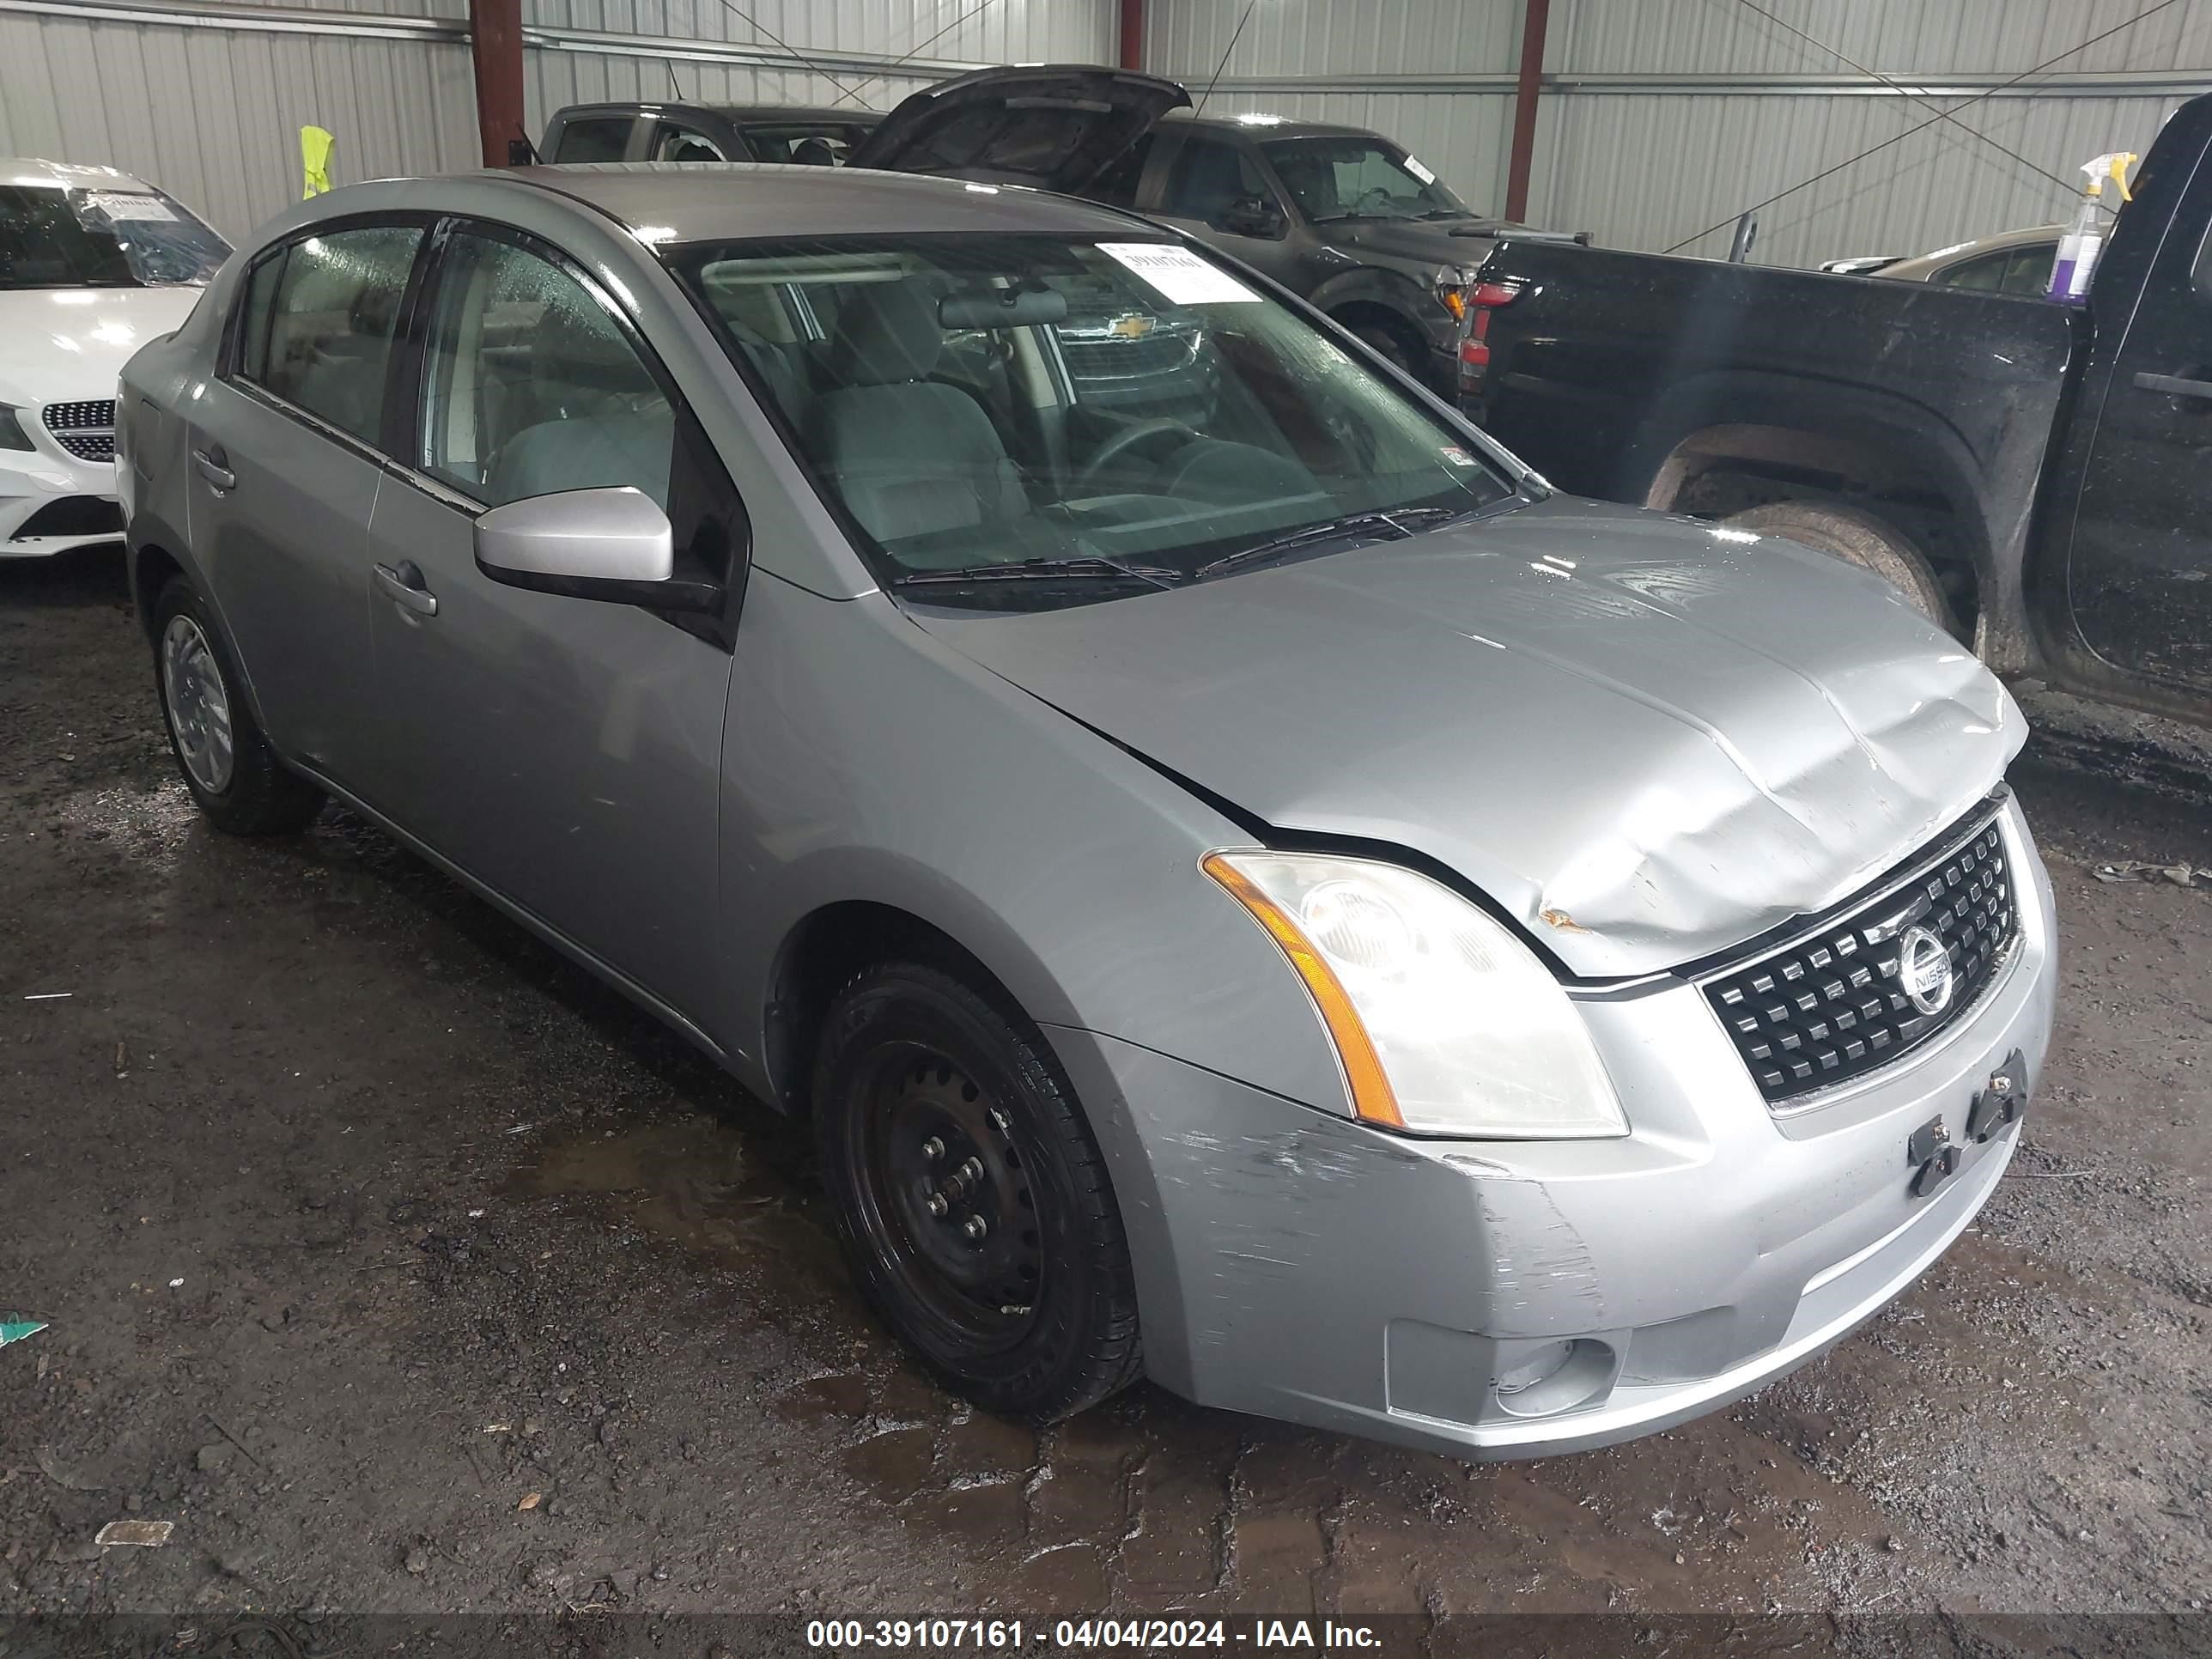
(2011, 262)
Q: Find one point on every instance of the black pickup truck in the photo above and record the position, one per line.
(2038, 478)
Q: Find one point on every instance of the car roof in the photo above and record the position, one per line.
(33, 170)
(737, 114)
(1270, 127)
(741, 200)
(1943, 258)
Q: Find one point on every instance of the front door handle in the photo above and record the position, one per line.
(2175, 386)
(213, 466)
(405, 586)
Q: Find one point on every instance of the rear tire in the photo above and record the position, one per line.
(232, 774)
(973, 1204)
(1859, 538)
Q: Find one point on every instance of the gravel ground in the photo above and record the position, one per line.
(405, 1270)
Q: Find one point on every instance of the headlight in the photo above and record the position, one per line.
(12, 436)
(1444, 1022)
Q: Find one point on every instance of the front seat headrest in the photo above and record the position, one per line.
(887, 332)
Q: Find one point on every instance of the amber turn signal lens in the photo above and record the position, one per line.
(1372, 1098)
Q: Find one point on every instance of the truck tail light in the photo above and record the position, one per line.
(1485, 298)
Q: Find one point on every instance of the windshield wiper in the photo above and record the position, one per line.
(1021, 570)
(1395, 525)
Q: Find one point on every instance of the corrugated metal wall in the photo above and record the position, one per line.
(209, 102)
(939, 34)
(1663, 117)
(213, 115)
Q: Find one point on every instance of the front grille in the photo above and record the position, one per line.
(1832, 1005)
(86, 429)
(1092, 356)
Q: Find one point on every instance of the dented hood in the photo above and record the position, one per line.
(1646, 738)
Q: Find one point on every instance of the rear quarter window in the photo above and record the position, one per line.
(593, 138)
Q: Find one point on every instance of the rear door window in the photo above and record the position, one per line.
(678, 143)
(812, 143)
(331, 306)
(1208, 177)
(1117, 185)
(1985, 272)
(593, 138)
(2028, 270)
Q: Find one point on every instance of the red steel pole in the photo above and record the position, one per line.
(1132, 34)
(496, 42)
(1534, 22)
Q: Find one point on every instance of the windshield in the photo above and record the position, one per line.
(1356, 177)
(1120, 414)
(129, 236)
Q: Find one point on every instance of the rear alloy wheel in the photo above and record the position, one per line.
(234, 775)
(1859, 538)
(972, 1201)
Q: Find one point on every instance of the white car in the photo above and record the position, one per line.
(94, 264)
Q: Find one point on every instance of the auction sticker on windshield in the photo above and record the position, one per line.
(1419, 171)
(1180, 276)
(126, 205)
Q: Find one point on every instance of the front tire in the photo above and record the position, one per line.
(1859, 538)
(972, 1202)
(232, 774)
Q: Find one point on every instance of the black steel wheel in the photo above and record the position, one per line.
(973, 1203)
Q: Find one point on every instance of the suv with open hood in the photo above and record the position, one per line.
(1341, 216)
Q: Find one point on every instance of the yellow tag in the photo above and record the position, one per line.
(315, 146)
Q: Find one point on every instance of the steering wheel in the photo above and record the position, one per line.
(1373, 200)
(1129, 438)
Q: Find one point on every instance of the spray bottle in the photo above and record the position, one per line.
(2091, 228)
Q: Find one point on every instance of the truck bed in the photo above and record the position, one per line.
(1682, 383)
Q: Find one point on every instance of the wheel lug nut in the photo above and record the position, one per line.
(972, 1169)
(938, 1207)
(933, 1149)
(975, 1226)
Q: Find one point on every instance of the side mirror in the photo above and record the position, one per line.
(1252, 215)
(611, 544)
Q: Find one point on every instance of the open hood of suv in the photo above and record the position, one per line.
(1056, 126)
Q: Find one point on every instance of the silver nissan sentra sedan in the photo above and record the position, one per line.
(1264, 894)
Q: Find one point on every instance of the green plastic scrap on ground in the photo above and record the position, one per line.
(15, 1330)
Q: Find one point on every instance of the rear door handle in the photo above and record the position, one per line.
(212, 463)
(406, 586)
(2175, 386)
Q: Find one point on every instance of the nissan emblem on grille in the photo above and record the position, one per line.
(1924, 970)
(1874, 980)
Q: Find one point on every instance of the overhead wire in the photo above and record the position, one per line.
(1897, 138)
(917, 50)
(758, 27)
(1906, 92)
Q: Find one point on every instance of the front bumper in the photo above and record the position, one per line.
(33, 483)
(1303, 1266)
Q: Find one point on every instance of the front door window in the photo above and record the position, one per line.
(530, 386)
